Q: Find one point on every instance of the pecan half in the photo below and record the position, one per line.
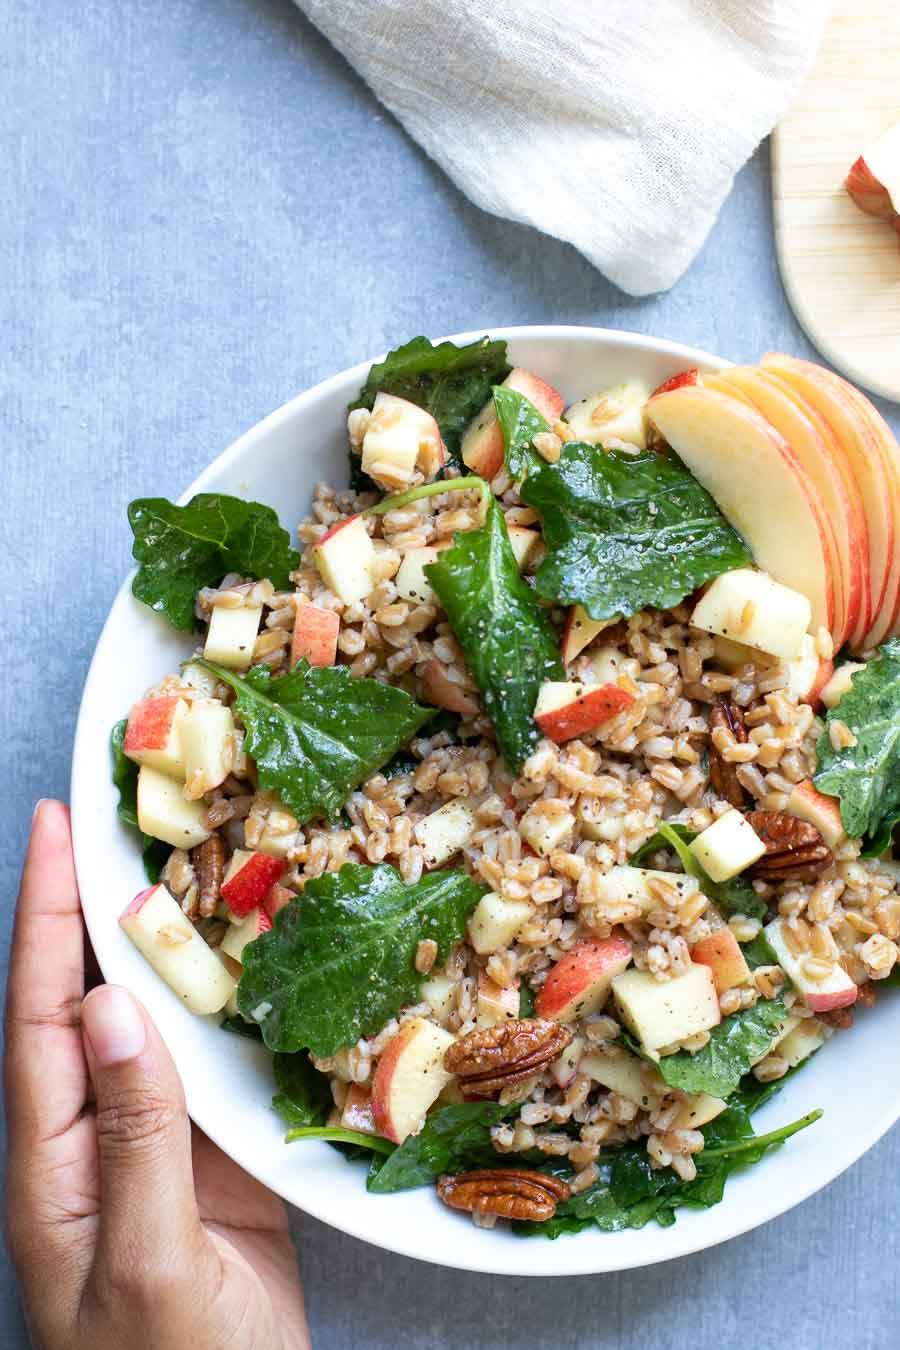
(209, 863)
(508, 1192)
(726, 714)
(487, 1061)
(795, 850)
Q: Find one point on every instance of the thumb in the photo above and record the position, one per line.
(148, 1210)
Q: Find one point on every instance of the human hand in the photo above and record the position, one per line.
(123, 1227)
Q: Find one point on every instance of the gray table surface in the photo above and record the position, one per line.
(204, 211)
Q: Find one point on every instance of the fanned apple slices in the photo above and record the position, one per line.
(809, 473)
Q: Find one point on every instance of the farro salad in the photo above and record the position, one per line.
(538, 812)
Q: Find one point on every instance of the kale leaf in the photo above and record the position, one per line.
(452, 383)
(304, 1096)
(626, 531)
(453, 1139)
(736, 896)
(179, 549)
(733, 1047)
(125, 775)
(506, 635)
(340, 961)
(865, 777)
(520, 422)
(317, 733)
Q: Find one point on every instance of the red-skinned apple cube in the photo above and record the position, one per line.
(568, 709)
(315, 635)
(837, 990)
(579, 631)
(249, 882)
(277, 898)
(152, 736)
(207, 743)
(252, 926)
(807, 803)
(400, 437)
(409, 1077)
(580, 981)
(439, 690)
(357, 1111)
(721, 952)
(482, 442)
(564, 1069)
(495, 1002)
(167, 939)
(345, 558)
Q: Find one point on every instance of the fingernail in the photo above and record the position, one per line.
(37, 806)
(113, 1024)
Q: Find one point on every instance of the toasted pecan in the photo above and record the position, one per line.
(508, 1192)
(491, 1059)
(795, 850)
(723, 775)
(209, 864)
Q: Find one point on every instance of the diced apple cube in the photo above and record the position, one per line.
(439, 992)
(580, 981)
(277, 898)
(749, 607)
(357, 1111)
(566, 709)
(617, 414)
(619, 1071)
(199, 679)
(642, 886)
(153, 734)
(315, 637)
(231, 636)
(252, 926)
(400, 435)
(722, 953)
(663, 1012)
(837, 990)
(279, 834)
(166, 937)
(608, 666)
(564, 1069)
(807, 803)
(494, 922)
(164, 813)
(439, 689)
(546, 827)
(727, 846)
(409, 1077)
(734, 655)
(482, 442)
(207, 742)
(411, 582)
(525, 544)
(249, 879)
(445, 832)
(802, 1041)
(580, 630)
(345, 557)
(495, 1002)
(698, 1111)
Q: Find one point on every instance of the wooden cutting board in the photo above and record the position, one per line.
(841, 268)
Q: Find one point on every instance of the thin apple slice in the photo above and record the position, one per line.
(759, 485)
(845, 519)
(871, 468)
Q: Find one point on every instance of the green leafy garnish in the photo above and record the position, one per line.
(625, 532)
(733, 1047)
(452, 383)
(520, 422)
(317, 733)
(303, 1097)
(629, 1192)
(340, 961)
(453, 1139)
(333, 1134)
(125, 775)
(865, 777)
(508, 640)
(179, 549)
(736, 896)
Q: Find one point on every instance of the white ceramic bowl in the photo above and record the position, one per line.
(228, 1079)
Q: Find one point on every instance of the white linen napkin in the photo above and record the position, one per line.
(617, 125)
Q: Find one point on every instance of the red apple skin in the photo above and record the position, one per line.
(592, 709)
(277, 898)
(683, 377)
(721, 952)
(482, 452)
(315, 636)
(250, 886)
(357, 1113)
(443, 693)
(587, 969)
(821, 1003)
(149, 724)
(869, 194)
(335, 529)
(137, 904)
(823, 675)
(381, 1081)
(826, 810)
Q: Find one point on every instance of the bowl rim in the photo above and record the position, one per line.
(83, 764)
